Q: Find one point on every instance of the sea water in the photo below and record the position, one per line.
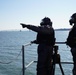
(11, 52)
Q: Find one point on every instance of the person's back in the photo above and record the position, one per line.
(71, 40)
(46, 38)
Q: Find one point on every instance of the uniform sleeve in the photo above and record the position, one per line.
(39, 29)
(33, 28)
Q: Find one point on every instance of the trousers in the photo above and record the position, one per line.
(44, 59)
(73, 51)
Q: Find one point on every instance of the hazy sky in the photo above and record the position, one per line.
(14, 12)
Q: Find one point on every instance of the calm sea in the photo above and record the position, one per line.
(11, 56)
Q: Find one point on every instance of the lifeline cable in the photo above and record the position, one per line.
(17, 55)
(12, 60)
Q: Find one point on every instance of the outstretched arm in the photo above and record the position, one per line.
(31, 27)
(44, 30)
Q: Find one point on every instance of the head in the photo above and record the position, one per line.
(73, 19)
(46, 21)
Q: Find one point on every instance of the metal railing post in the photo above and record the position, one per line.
(23, 61)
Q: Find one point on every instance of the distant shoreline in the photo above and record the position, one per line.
(62, 29)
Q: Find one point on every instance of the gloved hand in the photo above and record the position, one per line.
(35, 41)
(23, 25)
(66, 42)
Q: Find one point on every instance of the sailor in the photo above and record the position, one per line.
(45, 40)
(71, 40)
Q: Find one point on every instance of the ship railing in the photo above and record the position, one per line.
(23, 57)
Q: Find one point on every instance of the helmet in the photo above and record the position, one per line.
(73, 19)
(46, 21)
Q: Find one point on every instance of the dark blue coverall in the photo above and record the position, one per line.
(71, 41)
(45, 40)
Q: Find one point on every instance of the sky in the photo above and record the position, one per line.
(14, 12)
